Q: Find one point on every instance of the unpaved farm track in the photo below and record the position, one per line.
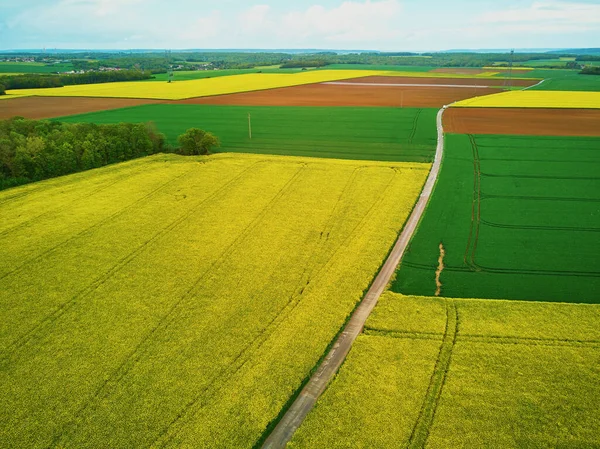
(307, 398)
(50, 107)
(537, 122)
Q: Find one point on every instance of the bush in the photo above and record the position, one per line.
(2, 89)
(197, 142)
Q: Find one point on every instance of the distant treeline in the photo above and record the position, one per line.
(34, 81)
(32, 150)
(161, 61)
(304, 63)
(591, 70)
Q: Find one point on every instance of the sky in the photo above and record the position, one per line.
(385, 25)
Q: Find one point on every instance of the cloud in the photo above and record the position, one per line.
(546, 17)
(351, 22)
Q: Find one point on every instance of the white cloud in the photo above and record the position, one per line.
(352, 22)
(205, 27)
(546, 16)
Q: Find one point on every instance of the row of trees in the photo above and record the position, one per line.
(591, 70)
(32, 150)
(34, 81)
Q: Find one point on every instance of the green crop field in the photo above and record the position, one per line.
(572, 81)
(32, 67)
(519, 218)
(387, 134)
(201, 74)
(561, 79)
(393, 68)
(432, 372)
(180, 301)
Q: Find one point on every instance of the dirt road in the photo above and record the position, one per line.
(307, 398)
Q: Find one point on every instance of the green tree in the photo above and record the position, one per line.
(2, 89)
(197, 141)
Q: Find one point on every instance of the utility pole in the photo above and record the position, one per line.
(510, 68)
(249, 126)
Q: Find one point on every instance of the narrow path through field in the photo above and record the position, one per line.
(294, 416)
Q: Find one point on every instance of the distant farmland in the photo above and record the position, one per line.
(387, 134)
(177, 301)
(518, 217)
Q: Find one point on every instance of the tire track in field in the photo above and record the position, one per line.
(132, 359)
(55, 182)
(420, 432)
(124, 176)
(123, 262)
(96, 225)
(413, 131)
(227, 372)
(469, 256)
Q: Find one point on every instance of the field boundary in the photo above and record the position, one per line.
(303, 404)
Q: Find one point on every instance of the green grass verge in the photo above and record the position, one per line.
(510, 372)
(158, 301)
(386, 134)
(518, 217)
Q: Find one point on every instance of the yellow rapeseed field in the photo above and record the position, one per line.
(197, 88)
(180, 301)
(534, 99)
(179, 90)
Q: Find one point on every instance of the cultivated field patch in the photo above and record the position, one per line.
(435, 372)
(49, 107)
(158, 302)
(535, 99)
(359, 95)
(440, 79)
(540, 122)
(196, 87)
(518, 217)
(390, 134)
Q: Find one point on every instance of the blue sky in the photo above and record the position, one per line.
(389, 25)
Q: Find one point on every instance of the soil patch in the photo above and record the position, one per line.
(50, 107)
(539, 122)
(427, 95)
(493, 82)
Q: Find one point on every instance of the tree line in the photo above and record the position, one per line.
(591, 70)
(32, 150)
(35, 81)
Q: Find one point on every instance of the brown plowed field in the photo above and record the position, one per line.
(49, 107)
(341, 95)
(448, 81)
(538, 122)
(460, 71)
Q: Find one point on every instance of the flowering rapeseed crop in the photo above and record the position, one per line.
(181, 301)
(535, 99)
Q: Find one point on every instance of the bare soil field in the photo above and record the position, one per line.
(343, 95)
(50, 107)
(460, 71)
(445, 81)
(541, 122)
